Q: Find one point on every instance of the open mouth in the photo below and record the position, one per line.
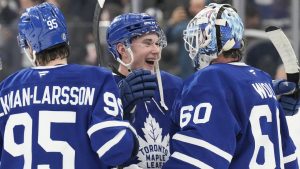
(150, 62)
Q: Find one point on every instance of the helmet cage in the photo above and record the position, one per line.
(214, 29)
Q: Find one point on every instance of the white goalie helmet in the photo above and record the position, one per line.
(214, 29)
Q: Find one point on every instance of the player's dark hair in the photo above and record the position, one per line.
(59, 51)
(235, 53)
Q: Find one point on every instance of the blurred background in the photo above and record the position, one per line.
(173, 16)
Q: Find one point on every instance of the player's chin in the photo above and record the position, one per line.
(149, 67)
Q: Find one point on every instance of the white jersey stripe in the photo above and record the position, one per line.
(279, 140)
(290, 158)
(108, 124)
(203, 144)
(190, 160)
(108, 145)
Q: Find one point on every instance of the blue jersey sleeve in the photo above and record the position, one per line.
(106, 120)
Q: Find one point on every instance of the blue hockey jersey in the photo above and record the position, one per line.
(230, 118)
(154, 126)
(63, 117)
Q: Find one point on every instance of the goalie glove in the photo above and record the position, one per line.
(138, 85)
(289, 99)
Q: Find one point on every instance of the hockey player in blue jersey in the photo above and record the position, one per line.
(56, 115)
(227, 111)
(136, 41)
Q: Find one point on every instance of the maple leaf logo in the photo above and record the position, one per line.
(154, 151)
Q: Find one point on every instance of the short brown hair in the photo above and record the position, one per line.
(59, 51)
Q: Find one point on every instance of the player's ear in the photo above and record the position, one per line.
(122, 51)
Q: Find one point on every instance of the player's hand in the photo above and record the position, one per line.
(283, 87)
(138, 85)
(290, 105)
(288, 96)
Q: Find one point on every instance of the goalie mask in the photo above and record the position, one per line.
(127, 26)
(214, 29)
(42, 27)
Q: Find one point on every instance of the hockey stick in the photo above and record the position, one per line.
(286, 53)
(96, 20)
